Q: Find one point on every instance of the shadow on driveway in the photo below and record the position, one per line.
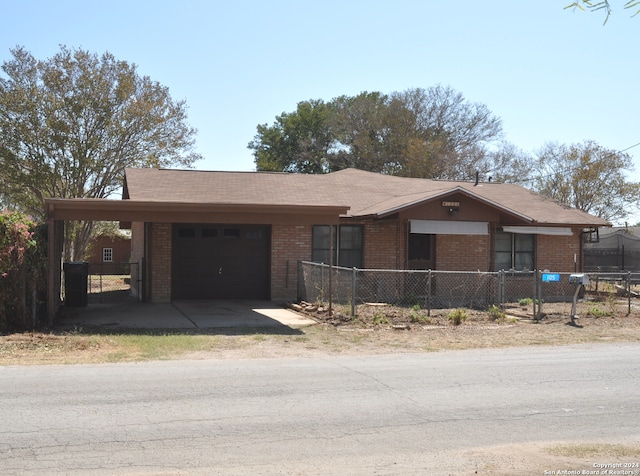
(193, 317)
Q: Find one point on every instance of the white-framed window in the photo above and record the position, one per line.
(347, 245)
(515, 251)
(107, 255)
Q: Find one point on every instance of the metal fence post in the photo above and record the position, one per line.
(353, 291)
(299, 282)
(628, 292)
(537, 290)
(429, 293)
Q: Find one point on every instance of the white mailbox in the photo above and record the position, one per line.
(579, 279)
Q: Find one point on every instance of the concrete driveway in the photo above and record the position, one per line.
(183, 315)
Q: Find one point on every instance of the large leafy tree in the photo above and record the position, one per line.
(297, 142)
(451, 133)
(434, 133)
(588, 177)
(363, 127)
(70, 124)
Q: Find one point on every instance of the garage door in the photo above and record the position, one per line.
(220, 262)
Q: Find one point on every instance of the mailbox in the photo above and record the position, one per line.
(579, 279)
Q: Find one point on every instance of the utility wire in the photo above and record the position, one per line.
(570, 170)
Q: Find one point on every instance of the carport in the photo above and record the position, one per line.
(248, 217)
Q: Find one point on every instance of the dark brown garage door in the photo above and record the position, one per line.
(220, 262)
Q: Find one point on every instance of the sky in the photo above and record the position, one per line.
(551, 74)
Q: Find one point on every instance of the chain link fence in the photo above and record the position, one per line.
(84, 283)
(109, 282)
(431, 289)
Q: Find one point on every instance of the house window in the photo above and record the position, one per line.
(514, 251)
(347, 245)
(107, 255)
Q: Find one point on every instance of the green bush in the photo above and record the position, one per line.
(458, 316)
(597, 311)
(380, 319)
(496, 313)
(417, 316)
(22, 268)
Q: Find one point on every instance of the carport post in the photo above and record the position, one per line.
(55, 233)
(51, 305)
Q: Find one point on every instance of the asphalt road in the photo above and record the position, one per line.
(391, 414)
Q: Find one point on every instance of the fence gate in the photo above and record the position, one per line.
(114, 282)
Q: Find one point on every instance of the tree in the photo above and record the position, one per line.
(296, 142)
(432, 133)
(506, 163)
(361, 127)
(69, 126)
(588, 177)
(452, 133)
(602, 5)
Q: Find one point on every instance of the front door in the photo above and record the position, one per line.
(420, 256)
(420, 252)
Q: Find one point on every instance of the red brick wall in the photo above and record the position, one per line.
(384, 244)
(137, 241)
(160, 262)
(292, 243)
(463, 252)
(385, 248)
(556, 253)
(120, 245)
(289, 245)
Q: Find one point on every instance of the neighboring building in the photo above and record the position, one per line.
(616, 249)
(109, 253)
(223, 235)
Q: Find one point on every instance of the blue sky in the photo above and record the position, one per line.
(550, 74)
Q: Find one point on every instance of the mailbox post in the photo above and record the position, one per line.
(580, 281)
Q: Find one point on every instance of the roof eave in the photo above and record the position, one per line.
(133, 210)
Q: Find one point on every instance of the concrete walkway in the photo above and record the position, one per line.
(183, 315)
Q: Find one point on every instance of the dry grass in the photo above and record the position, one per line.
(594, 450)
(377, 329)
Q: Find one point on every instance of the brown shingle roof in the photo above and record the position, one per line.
(365, 193)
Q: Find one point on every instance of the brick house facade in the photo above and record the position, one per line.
(217, 235)
(385, 248)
